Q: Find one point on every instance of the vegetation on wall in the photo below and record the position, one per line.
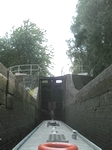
(91, 46)
(26, 45)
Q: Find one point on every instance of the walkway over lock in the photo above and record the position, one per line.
(26, 69)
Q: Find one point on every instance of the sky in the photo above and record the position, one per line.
(54, 16)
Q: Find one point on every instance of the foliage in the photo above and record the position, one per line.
(26, 45)
(92, 29)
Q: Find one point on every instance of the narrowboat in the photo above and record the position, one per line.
(55, 135)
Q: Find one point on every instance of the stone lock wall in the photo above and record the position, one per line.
(30, 81)
(19, 112)
(91, 110)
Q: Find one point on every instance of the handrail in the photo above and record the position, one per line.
(29, 68)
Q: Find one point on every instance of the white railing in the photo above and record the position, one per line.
(25, 69)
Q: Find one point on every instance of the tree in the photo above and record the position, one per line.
(26, 45)
(92, 35)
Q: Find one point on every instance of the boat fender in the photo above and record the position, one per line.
(57, 146)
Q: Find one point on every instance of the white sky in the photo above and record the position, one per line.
(55, 16)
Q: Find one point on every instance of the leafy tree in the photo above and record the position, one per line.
(26, 45)
(92, 35)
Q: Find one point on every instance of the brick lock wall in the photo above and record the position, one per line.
(91, 111)
(18, 110)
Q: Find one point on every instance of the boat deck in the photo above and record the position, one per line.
(54, 131)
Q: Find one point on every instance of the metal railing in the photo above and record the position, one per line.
(26, 69)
